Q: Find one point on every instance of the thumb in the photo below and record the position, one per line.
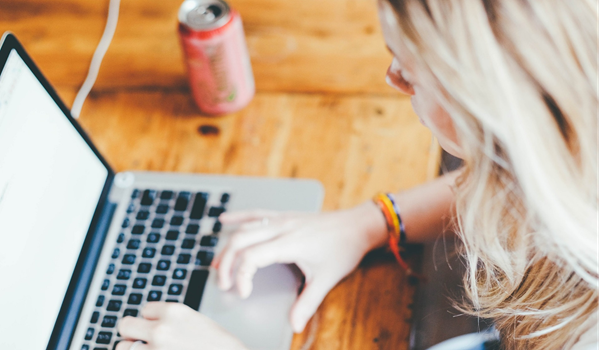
(307, 303)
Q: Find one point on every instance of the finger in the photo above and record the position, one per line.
(256, 257)
(244, 229)
(238, 217)
(135, 328)
(239, 241)
(127, 344)
(154, 310)
(308, 302)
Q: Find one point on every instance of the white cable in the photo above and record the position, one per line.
(109, 32)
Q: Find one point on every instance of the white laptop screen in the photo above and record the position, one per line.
(50, 185)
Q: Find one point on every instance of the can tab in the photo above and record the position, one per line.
(204, 14)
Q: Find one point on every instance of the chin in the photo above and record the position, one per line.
(450, 148)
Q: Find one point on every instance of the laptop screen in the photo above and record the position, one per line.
(50, 185)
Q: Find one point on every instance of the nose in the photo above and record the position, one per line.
(394, 79)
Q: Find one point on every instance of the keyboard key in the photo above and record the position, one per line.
(148, 197)
(182, 201)
(168, 250)
(148, 252)
(215, 211)
(142, 215)
(130, 208)
(111, 269)
(158, 223)
(199, 206)
(225, 198)
(133, 244)
(115, 253)
(114, 305)
(109, 321)
(175, 289)
(135, 193)
(208, 241)
(130, 312)
(163, 265)
(95, 317)
(154, 295)
(162, 209)
(172, 235)
(204, 258)
(159, 280)
(105, 284)
(119, 289)
(217, 227)
(100, 301)
(144, 268)
(195, 289)
(192, 229)
(104, 337)
(153, 238)
(125, 223)
(138, 229)
(85, 347)
(139, 283)
(124, 274)
(121, 238)
(176, 220)
(166, 195)
(134, 299)
(188, 243)
(171, 301)
(179, 274)
(89, 334)
(184, 258)
(128, 259)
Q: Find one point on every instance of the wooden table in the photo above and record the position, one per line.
(322, 111)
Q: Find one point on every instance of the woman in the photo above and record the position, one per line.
(509, 86)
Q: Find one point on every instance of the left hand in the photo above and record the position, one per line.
(172, 326)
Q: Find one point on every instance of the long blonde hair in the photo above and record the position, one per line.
(519, 80)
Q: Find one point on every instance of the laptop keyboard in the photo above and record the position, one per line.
(160, 255)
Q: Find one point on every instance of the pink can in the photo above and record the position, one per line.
(216, 56)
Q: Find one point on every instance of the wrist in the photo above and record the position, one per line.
(372, 224)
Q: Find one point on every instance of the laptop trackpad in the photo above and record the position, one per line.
(261, 322)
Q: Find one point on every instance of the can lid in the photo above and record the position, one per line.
(204, 14)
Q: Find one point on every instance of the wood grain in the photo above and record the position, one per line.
(295, 46)
(322, 111)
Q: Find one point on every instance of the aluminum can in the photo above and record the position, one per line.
(216, 56)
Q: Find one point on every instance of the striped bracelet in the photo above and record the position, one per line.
(395, 228)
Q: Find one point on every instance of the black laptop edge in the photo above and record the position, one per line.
(88, 258)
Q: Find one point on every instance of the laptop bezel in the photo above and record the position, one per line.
(70, 310)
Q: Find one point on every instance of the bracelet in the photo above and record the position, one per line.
(390, 211)
(395, 228)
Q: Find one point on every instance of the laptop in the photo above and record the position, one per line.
(82, 246)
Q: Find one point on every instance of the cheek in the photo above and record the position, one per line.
(436, 119)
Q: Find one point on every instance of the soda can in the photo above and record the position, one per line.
(216, 56)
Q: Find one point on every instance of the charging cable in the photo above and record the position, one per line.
(109, 32)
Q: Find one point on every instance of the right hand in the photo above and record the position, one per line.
(326, 247)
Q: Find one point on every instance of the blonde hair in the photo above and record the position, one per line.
(519, 80)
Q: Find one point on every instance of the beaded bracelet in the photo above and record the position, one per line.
(395, 227)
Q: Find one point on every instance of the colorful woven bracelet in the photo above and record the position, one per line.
(395, 227)
(402, 231)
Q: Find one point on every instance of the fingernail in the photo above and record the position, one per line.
(298, 324)
(298, 327)
(245, 291)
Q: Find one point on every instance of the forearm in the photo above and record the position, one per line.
(426, 211)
